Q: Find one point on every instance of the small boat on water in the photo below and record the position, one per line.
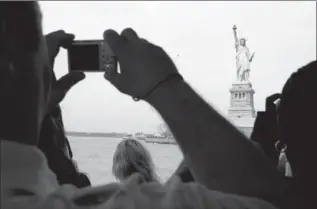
(150, 138)
(128, 137)
(157, 139)
(139, 136)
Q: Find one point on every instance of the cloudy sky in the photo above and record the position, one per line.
(282, 35)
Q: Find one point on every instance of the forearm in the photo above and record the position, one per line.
(236, 40)
(234, 164)
(235, 36)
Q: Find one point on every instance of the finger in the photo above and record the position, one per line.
(112, 76)
(67, 40)
(62, 38)
(55, 40)
(52, 46)
(58, 33)
(129, 34)
(62, 86)
(270, 101)
(65, 83)
(144, 40)
(273, 97)
(115, 41)
(55, 37)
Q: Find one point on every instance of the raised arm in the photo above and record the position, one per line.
(218, 155)
(236, 39)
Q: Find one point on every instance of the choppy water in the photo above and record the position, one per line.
(94, 157)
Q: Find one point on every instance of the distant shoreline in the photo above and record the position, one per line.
(94, 134)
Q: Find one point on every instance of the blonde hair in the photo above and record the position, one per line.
(132, 157)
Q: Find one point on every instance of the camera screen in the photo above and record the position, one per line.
(84, 57)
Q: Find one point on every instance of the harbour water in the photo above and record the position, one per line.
(94, 157)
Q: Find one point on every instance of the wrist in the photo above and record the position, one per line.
(164, 90)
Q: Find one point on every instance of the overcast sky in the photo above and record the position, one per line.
(282, 35)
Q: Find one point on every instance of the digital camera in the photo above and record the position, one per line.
(91, 56)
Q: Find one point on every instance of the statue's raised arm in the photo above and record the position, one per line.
(236, 40)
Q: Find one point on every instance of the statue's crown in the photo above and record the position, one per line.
(243, 38)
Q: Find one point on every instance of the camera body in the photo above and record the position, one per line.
(91, 56)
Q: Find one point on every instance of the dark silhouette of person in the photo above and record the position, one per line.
(297, 115)
(265, 129)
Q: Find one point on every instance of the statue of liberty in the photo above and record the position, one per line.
(243, 58)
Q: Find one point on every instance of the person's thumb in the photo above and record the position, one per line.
(62, 86)
(269, 103)
(66, 82)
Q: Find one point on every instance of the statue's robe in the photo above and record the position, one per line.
(242, 61)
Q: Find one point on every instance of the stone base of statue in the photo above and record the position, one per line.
(241, 111)
(241, 100)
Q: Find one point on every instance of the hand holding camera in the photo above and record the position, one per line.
(143, 65)
(54, 42)
(270, 103)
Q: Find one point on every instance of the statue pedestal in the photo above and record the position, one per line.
(241, 110)
(241, 100)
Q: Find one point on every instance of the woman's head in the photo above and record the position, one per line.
(132, 157)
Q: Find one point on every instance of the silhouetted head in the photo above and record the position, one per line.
(24, 67)
(132, 157)
(242, 41)
(297, 113)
